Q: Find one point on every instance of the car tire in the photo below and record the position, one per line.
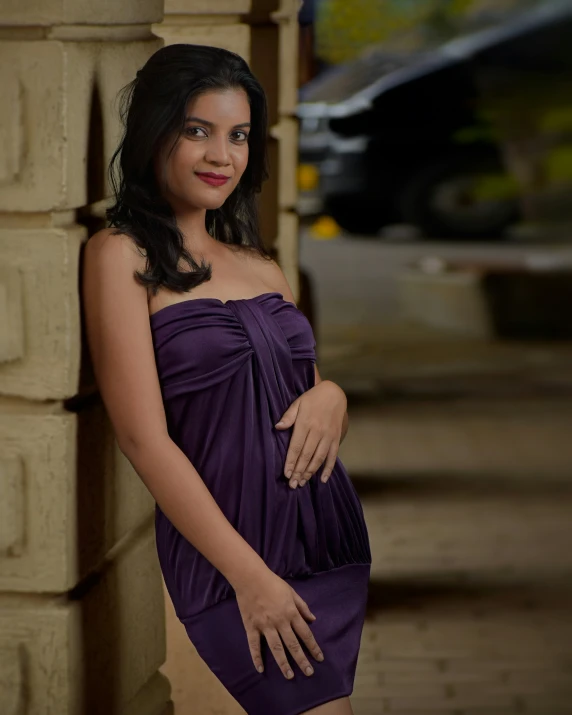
(424, 201)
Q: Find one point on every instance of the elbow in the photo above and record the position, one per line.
(133, 446)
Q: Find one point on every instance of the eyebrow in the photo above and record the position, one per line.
(210, 124)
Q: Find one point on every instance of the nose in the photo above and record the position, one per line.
(217, 151)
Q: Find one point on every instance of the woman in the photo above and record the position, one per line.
(207, 370)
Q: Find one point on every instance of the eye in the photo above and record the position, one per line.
(195, 132)
(239, 136)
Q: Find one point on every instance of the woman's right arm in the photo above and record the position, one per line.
(119, 336)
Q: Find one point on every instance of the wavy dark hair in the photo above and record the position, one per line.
(152, 109)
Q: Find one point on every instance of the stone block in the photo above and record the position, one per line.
(287, 247)
(57, 12)
(40, 667)
(40, 340)
(264, 63)
(11, 314)
(98, 652)
(286, 132)
(68, 497)
(38, 510)
(288, 64)
(61, 120)
(207, 7)
(274, 61)
(233, 36)
(123, 618)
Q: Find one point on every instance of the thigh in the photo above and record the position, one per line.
(341, 706)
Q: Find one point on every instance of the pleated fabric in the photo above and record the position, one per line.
(228, 371)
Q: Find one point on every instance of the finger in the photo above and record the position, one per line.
(303, 607)
(296, 650)
(289, 417)
(254, 646)
(294, 448)
(303, 631)
(320, 455)
(306, 453)
(277, 649)
(330, 462)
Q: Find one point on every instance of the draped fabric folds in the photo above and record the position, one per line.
(228, 371)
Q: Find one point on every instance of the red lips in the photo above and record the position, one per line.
(213, 179)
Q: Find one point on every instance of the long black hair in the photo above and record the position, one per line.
(152, 109)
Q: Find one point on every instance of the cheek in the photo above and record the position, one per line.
(183, 159)
(241, 160)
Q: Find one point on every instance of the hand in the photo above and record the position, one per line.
(270, 607)
(317, 416)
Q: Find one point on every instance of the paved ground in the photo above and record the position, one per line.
(461, 452)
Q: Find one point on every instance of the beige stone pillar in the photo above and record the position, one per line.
(81, 605)
(265, 33)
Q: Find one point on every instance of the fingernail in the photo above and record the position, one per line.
(289, 473)
(324, 478)
(294, 484)
(302, 482)
(289, 674)
(320, 657)
(279, 424)
(309, 670)
(313, 616)
(260, 669)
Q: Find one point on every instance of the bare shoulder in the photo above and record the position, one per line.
(110, 245)
(270, 273)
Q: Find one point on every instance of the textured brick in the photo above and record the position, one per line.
(234, 37)
(286, 131)
(56, 12)
(207, 7)
(44, 265)
(38, 502)
(46, 168)
(88, 656)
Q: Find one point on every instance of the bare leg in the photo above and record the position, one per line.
(341, 706)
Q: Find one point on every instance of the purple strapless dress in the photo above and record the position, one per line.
(228, 371)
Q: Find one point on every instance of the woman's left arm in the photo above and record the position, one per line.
(345, 422)
(319, 416)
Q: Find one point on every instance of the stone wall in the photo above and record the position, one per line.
(82, 627)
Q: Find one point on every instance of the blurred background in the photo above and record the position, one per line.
(435, 177)
(420, 204)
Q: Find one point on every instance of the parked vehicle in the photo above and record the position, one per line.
(402, 138)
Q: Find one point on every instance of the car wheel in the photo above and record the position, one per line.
(465, 197)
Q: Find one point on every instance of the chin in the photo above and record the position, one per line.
(211, 205)
(210, 199)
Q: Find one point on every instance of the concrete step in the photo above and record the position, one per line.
(520, 436)
(471, 536)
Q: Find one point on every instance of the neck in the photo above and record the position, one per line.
(191, 221)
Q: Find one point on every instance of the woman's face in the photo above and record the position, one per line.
(211, 154)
